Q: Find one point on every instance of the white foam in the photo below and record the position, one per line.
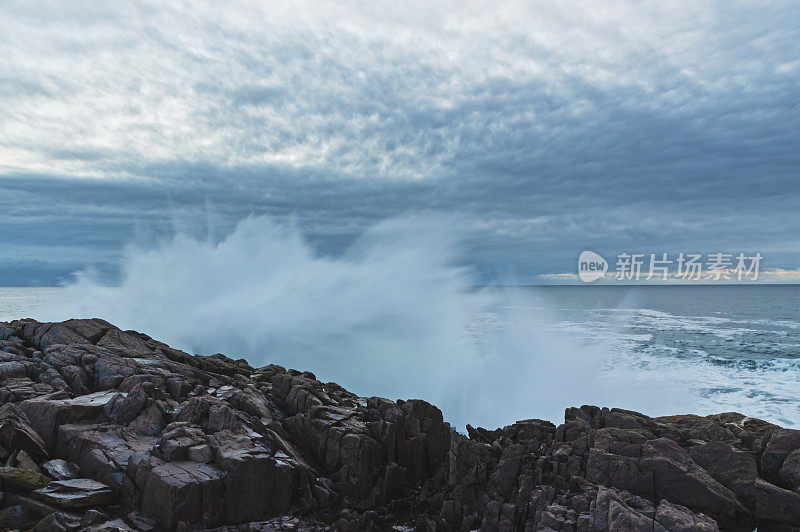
(395, 316)
(391, 316)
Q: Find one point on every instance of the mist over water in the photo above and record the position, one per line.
(392, 316)
(396, 316)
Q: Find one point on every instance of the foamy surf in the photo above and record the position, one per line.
(396, 316)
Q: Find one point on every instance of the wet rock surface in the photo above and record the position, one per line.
(103, 429)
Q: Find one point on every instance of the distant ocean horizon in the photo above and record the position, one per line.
(655, 349)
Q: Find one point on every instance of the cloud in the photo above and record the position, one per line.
(553, 126)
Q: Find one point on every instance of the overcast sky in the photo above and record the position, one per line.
(548, 127)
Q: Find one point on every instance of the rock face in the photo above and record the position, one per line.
(103, 429)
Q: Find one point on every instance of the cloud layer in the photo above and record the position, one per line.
(618, 126)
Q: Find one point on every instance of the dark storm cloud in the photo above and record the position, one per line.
(551, 128)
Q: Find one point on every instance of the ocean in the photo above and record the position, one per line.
(656, 349)
(709, 348)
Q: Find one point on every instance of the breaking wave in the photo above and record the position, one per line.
(394, 315)
(397, 315)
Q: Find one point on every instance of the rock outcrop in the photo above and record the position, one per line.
(103, 429)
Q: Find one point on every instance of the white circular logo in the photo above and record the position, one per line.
(591, 266)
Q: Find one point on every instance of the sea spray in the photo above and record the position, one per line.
(394, 315)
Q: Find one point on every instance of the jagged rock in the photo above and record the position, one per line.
(75, 493)
(12, 517)
(113, 525)
(288, 523)
(781, 443)
(221, 364)
(34, 508)
(177, 443)
(47, 334)
(16, 433)
(24, 479)
(102, 451)
(59, 469)
(141, 522)
(734, 469)
(24, 460)
(776, 504)
(58, 522)
(94, 517)
(789, 473)
(675, 517)
(10, 370)
(124, 408)
(169, 441)
(610, 512)
(48, 414)
(180, 491)
(661, 469)
(615, 510)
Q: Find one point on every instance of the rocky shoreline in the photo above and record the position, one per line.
(103, 429)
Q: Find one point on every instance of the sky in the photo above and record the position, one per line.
(546, 128)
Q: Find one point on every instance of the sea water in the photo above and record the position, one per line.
(531, 351)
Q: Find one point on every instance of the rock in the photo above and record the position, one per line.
(47, 334)
(102, 451)
(47, 414)
(781, 443)
(614, 510)
(661, 469)
(676, 517)
(25, 461)
(34, 508)
(12, 517)
(181, 491)
(202, 452)
(789, 473)
(59, 469)
(113, 525)
(58, 522)
(175, 444)
(776, 504)
(122, 409)
(10, 370)
(734, 469)
(17, 434)
(94, 517)
(75, 493)
(163, 440)
(91, 330)
(223, 365)
(23, 479)
(141, 522)
(249, 463)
